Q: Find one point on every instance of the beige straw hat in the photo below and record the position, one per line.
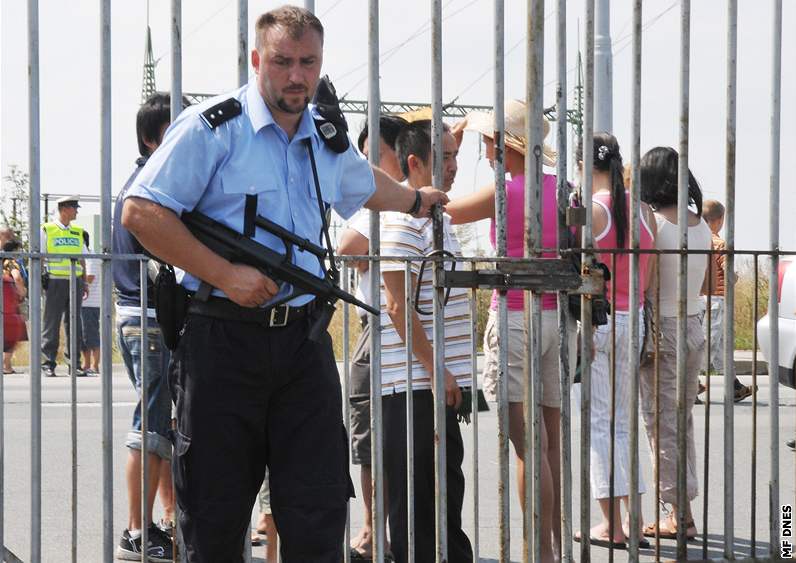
(484, 122)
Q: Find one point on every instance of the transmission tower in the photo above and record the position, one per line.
(148, 85)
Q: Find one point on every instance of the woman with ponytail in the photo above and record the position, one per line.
(659, 189)
(611, 230)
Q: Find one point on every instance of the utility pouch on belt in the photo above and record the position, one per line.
(171, 305)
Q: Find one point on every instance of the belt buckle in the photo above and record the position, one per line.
(278, 320)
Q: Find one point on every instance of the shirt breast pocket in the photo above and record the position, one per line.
(268, 191)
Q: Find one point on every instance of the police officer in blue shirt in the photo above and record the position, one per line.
(250, 387)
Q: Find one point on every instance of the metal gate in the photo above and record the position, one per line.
(501, 268)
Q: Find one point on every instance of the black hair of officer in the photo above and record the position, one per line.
(415, 139)
(389, 128)
(153, 114)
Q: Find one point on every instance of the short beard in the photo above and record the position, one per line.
(282, 104)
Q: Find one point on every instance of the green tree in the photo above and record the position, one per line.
(14, 201)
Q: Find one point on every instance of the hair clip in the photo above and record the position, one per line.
(602, 152)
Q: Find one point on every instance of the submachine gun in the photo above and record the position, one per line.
(240, 249)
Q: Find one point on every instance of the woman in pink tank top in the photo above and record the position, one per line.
(481, 205)
(611, 230)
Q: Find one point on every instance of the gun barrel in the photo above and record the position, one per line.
(284, 234)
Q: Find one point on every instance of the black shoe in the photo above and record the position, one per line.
(743, 392)
(159, 551)
(698, 401)
(791, 444)
(47, 371)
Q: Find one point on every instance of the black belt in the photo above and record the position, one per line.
(272, 317)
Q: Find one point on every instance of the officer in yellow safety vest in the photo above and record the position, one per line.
(61, 237)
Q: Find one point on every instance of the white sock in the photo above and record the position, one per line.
(134, 534)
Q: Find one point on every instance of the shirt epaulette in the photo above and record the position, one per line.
(221, 112)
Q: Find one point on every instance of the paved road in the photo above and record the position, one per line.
(56, 489)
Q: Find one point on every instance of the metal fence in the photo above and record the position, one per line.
(531, 537)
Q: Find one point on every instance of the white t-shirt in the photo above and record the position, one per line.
(668, 238)
(403, 235)
(360, 223)
(92, 269)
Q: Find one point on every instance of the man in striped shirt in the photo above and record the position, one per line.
(403, 235)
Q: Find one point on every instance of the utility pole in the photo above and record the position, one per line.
(603, 69)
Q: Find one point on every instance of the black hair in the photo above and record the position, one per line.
(12, 245)
(414, 139)
(389, 127)
(607, 158)
(153, 114)
(659, 180)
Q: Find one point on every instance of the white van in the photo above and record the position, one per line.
(787, 324)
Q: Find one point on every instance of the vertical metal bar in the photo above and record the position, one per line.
(176, 58)
(635, 289)
(682, 285)
(374, 136)
(146, 517)
(729, 280)
(708, 327)
(612, 420)
(74, 359)
(410, 415)
(588, 258)
(440, 431)
(346, 276)
(474, 410)
(2, 424)
(504, 485)
(243, 42)
(106, 280)
(533, 241)
(309, 5)
(755, 307)
(773, 301)
(657, 383)
(34, 156)
(562, 198)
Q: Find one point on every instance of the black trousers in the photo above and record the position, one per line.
(394, 412)
(249, 396)
(56, 308)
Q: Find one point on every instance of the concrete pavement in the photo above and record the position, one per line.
(56, 481)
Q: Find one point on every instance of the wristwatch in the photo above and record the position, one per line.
(417, 204)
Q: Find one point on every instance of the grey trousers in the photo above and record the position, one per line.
(667, 407)
(56, 307)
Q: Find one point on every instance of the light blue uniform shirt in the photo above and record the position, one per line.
(212, 171)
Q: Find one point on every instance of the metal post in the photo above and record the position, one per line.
(474, 410)
(588, 258)
(74, 360)
(729, 283)
(346, 277)
(562, 198)
(410, 415)
(176, 58)
(603, 69)
(440, 473)
(309, 5)
(773, 302)
(374, 137)
(2, 427)
(682, 293)
(35, 280)
(144, 367)
(106, 280)
(533, 240)
(243, 42)
(635, 289)
(502, 313)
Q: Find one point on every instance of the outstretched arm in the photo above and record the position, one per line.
(392, 196)
(474, 207)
